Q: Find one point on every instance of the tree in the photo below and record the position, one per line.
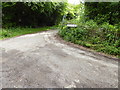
(32, 13)
(103, 12)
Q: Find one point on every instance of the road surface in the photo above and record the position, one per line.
(42, 61)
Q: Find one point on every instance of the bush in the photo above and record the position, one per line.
(5, 33)
(102, 38)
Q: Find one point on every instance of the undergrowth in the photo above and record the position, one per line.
(102, 38)
(12, 32)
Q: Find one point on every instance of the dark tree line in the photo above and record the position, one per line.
(103, 12)
(32, 14)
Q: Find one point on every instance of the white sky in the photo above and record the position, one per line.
(75, 1)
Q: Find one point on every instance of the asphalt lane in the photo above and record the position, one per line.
(42, 61)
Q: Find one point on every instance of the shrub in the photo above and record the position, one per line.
(102, 38)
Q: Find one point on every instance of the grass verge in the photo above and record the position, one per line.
(12, 32)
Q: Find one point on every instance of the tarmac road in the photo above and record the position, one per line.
(42, 61)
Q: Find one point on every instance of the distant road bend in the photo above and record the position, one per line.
(42, 61)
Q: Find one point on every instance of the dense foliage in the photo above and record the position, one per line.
(103, 12)
(100, 31)
(98, 22)
(105, 38)
(32, 14)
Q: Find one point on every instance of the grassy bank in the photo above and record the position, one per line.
(12, 32)
(102, 38)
